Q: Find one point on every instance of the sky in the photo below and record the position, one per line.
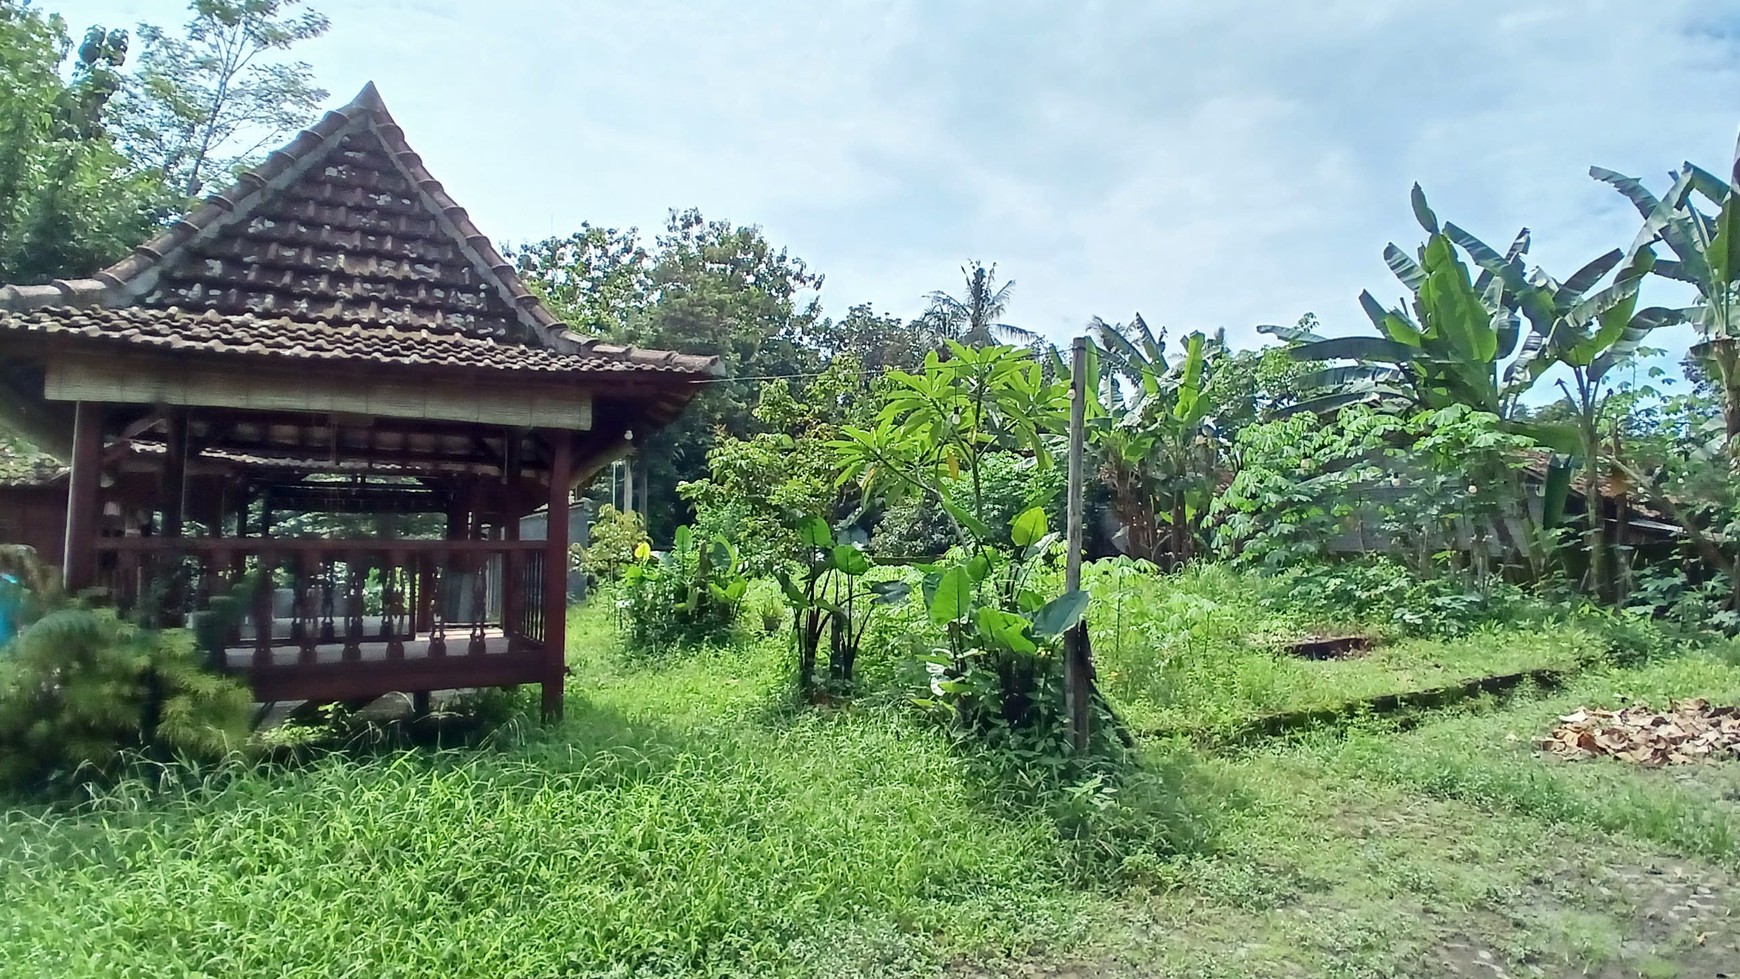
(1211, 164)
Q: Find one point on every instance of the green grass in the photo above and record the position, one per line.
(686, 820)
(657, 829)
(1198, 653)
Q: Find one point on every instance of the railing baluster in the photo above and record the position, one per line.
(328, 596)
(262, 609)
(356, 573)
(394, 575)
(306, 610)
(438, 578)
(479, 604)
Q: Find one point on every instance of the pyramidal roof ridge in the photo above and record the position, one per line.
(125, 281)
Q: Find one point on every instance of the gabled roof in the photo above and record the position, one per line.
(339, 246)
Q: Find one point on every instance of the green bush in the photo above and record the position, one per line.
(81, 690)
(612, 541)
(688, 595)
(1381, 592)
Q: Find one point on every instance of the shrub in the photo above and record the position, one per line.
(81, 689)
(1381, 592)
(612, 541)
(688, 595)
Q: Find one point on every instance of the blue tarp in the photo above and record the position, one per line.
(11, 605)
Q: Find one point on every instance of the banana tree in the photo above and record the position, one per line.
(1592, 333)
(1459, 341)
(1158, 447)
(1706, 252)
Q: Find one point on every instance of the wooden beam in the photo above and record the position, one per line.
(556, 574)
(79, 560)
(499, 401)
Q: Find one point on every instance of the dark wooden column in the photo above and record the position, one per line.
(555, 573)
(79, 561)
(174, 488)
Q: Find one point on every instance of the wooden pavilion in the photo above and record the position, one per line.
(332, 335)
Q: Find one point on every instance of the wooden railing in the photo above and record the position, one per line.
(450, 598)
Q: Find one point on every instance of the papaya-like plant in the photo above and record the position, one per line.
(999, 670)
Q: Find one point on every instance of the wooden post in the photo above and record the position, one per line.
(174, 489)
(79, 554)
(1077, 662)
(555, 573)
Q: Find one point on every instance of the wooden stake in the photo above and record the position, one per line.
(1077, 662)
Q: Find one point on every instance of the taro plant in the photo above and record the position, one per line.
(999, 670)
(832, 598)
(687, 595)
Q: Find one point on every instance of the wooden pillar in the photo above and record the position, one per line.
(555, 576)
(79, 561)
(174, 489)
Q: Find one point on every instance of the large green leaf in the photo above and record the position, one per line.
(1422, 211)
(815, 532)
(1190, 405)
(1059, 614)
(1343, 377)
(1584, 279)
(890, 592)
(1405, 268)
(1633, 189)
(849, 560)
(1724, 253)
(1004, 629)
(953, 598)
(1558, 436)
(1366, 349)
(1289, 333)
(1029, 527)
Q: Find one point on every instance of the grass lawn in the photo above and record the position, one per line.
(682, 821)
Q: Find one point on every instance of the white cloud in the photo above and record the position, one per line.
(1211, 164)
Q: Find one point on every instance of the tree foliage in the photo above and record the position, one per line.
(70, 201)
(206, 102)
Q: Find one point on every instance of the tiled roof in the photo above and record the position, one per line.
(374, 341)
(22, 465)
(344, 243)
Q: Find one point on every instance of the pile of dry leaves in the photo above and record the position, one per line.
(1688, 731)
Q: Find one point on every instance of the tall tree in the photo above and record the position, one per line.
(70, 203)
(208, 101)
(597, 279)
(974, 319)
(876, 341)
(724, 289)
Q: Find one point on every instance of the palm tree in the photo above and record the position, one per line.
(972, 320)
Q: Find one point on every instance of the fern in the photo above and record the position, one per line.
(83, 689)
